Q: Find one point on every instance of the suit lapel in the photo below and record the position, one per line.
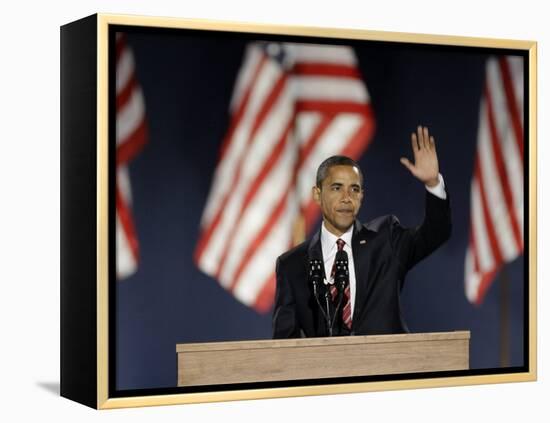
(314, 249)
(361, 251)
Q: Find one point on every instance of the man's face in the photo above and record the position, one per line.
(340, 198)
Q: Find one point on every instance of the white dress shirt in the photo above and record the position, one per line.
(329, 247)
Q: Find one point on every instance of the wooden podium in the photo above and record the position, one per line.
(316, 358)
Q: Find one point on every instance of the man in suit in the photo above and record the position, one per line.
(380, 253)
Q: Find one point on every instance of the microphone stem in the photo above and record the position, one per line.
(327, 303)
(337, 310)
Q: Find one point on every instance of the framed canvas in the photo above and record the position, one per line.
(189, 150)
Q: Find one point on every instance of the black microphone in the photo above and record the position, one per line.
(316, 274)
(341, 270)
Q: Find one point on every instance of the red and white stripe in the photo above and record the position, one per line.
(496, 208)
(130, 137)
(287, 117)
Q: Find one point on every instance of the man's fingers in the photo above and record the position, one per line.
(426, 138)
(420, 136)
(405, 162)
(423, 138)
(414, 142)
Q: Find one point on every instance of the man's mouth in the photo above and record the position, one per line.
(344, 211)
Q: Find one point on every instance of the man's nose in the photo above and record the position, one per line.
(346, 197)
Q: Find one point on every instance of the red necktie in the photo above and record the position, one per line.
(346, 311)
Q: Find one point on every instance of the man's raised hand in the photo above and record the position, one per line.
(425, 167)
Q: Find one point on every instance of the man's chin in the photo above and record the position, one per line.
(345, 225)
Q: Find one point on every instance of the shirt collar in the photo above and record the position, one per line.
(328, 240)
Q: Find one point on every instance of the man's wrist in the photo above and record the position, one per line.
(439, 188)
(433, 182)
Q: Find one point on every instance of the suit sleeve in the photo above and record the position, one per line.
(284, 313)
(410, 245)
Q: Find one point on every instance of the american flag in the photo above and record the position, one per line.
(131, 135)
(496, 208)
(293, 106)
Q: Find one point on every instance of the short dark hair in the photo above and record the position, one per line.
(322, 170)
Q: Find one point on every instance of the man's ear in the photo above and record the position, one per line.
(316, 194)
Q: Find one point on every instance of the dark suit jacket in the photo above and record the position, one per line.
(383, 252)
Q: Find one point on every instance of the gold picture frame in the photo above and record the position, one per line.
(86, 130)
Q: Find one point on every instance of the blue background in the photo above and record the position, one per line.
(187, 82)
